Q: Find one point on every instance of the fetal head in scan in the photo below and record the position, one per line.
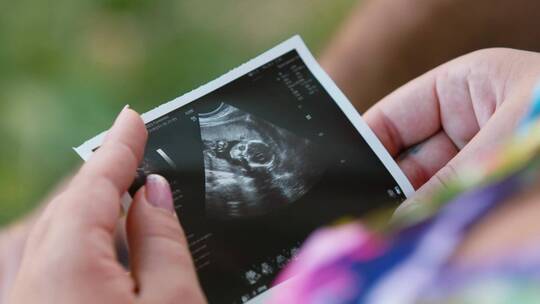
(253, 166)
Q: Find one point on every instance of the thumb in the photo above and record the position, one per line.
(160, 259)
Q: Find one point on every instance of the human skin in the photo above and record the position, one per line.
(13, 239)
(12, 243)
(69, 256)
(461, 111)
(455, 114)
(386, 43)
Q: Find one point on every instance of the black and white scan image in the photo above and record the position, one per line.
(256, 164)
(251, 165)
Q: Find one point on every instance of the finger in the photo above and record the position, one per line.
(77, 226)
(117, 159)
(161, 261)
(422, 161)
(94, 194)
(493, 135)
(456, 98)
(393, 117)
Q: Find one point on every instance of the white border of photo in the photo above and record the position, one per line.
(294, 43)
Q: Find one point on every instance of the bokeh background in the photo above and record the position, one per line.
(68, 67)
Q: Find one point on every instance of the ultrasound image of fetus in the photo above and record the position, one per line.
(253, 166)
(249, 154)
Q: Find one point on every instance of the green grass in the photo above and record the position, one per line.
(67, 68)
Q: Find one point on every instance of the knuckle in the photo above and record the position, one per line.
(127, 153)
(494, 52)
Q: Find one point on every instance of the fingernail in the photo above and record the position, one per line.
(117, 121)
(123, 109)
(158, 192)
(119, 116)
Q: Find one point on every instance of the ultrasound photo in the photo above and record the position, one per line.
(251, 165)
(259, 159)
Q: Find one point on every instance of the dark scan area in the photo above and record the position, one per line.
(251, 165)
(255, 166)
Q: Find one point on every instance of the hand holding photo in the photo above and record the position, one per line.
(258, 159)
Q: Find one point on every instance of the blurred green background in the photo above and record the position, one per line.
(67, 68)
